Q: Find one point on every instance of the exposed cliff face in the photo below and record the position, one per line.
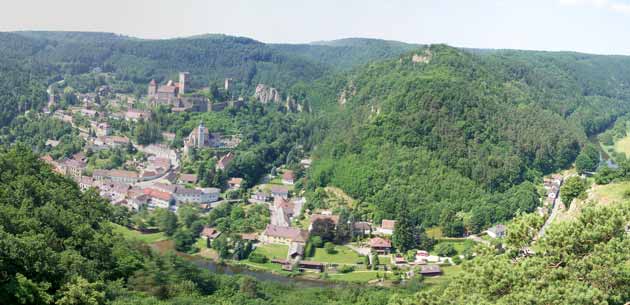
(349, 91)
(266, 94)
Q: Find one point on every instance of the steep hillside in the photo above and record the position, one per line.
(208, 58)
(447, 130)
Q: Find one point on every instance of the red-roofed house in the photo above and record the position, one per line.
(380, 245)
(283, 235)
(209, 233)
(235, 183)
(288, 177)
(387, 227)
(225, 161)
(158, 199)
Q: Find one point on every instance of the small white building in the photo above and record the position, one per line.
(497, 231)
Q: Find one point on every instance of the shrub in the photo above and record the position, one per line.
(445, 249)
(457, 260)
(258, 258)
(330, 248)
(317, 241)
(346, 269)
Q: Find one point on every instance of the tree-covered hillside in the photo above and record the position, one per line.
(345, 54)
(448, 130)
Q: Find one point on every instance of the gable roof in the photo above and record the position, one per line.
(288, 175)
(210, 232)
(191, 178)
(293, 234)
(279, 189)
(378, 242)
(157, 194)
(235, 181)
(388, 224)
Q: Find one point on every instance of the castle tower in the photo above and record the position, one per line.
(184, 79)
(152, 88)
(228, 84)
(201, 135)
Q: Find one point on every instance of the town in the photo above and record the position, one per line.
(149, 177)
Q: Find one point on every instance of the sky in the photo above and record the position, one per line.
(593, 26)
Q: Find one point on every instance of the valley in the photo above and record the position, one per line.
(224, 170)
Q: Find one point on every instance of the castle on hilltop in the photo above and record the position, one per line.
(177, 95)
(167, 94)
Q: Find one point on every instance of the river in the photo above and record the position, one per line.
(604, 158)
(167, 245)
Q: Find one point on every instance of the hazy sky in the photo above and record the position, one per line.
(596, 26)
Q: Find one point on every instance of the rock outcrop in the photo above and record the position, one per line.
(266, 94)
(349, 91)
(422, 58)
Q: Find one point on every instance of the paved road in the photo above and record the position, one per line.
(552, 216)
(554, 210)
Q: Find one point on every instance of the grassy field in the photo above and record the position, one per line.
(610, 193)
(272, 251)
(356, 276)
(458, 243)
(344, 255)
(620, 146)
(623, 145)
(266, 266)
(132, 234)
(449, 273)
(598, 194)
(434, 232)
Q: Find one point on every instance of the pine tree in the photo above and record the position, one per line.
(403, 238)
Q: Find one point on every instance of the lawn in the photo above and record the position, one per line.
(344, 255)
(458, 243)
(623, 145)
(449, 273)
(609, 193)
(132, 234)
(356, 276)
(272, 251)
(598, 194)
(434, 232)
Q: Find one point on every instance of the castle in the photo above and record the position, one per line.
(177, 95)
(170, 93)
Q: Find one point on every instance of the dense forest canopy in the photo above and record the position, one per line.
(483, 122)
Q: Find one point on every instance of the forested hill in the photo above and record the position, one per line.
(209, 57)
(345, 54)
(448, 130)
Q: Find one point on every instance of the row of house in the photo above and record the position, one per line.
(73, 167)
